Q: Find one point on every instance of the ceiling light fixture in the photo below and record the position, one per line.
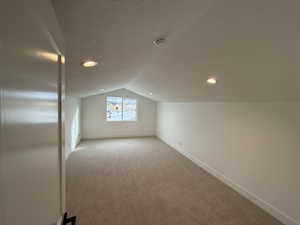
(150, 93)
(102, 89)
(89, 63)
(211, 80)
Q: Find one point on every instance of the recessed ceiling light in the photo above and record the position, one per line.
(150, 93)
(211, 80)
(89, 63)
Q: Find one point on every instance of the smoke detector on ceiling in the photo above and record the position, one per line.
(159, 41)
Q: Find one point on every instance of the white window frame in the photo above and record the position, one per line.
(121, 121)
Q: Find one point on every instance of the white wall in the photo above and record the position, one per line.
(72, 122)
(254, 147)
(94, 124)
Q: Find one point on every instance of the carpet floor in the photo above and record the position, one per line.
(143, 181)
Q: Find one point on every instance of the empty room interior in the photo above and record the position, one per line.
(150, 112)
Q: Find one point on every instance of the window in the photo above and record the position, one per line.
(121, 109)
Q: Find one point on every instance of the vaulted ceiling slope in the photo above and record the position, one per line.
(252, 47)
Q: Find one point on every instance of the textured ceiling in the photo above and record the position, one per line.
(252, 47)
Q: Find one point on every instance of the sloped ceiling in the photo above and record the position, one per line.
(252, 47)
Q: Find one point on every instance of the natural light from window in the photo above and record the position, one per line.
(121, 109)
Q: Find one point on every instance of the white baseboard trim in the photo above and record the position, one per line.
(117, 137)
(281, 216)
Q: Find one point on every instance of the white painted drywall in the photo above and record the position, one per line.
(251, 45)
(72, 122)
(254, 147)
(94, 124)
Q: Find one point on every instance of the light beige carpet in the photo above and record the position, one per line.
(142, 181)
